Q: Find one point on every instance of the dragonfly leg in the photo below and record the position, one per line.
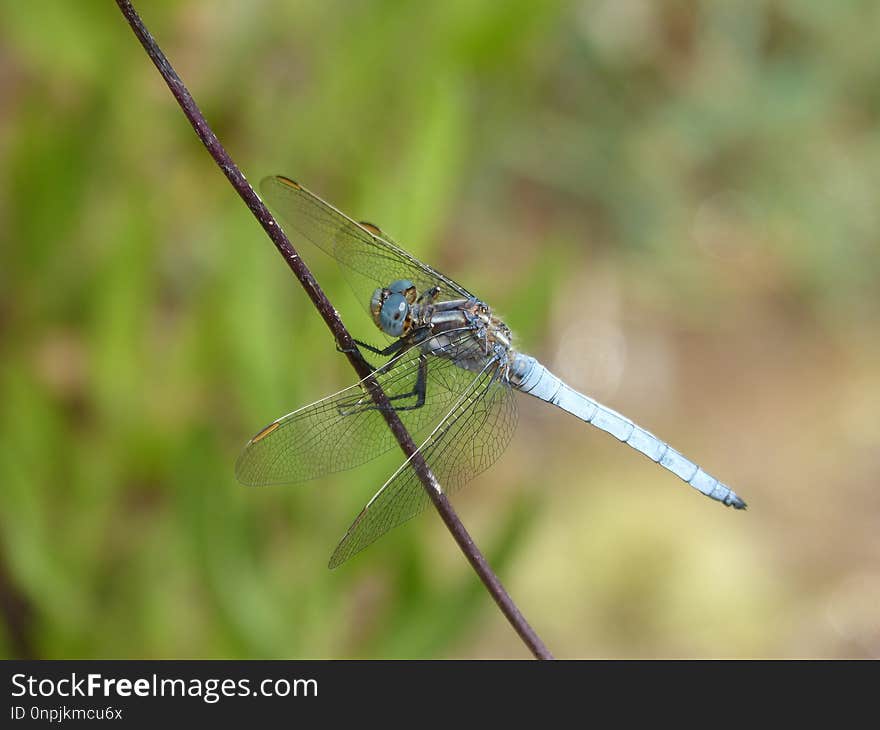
(420, 389)
(392, 349)
(428, 296)
(418, 392)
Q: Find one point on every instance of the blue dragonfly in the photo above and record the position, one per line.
(450, 372)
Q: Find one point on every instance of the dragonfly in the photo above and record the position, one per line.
(450, 372)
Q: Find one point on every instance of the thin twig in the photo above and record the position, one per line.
(333, 321)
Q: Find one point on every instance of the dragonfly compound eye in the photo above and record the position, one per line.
(394, 315)
(405, 287)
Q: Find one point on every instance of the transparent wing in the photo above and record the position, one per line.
(346, 429)
(476, 430)
(368, 259)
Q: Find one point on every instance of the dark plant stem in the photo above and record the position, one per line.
(333, 321)
(17, 614)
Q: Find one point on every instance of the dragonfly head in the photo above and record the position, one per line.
(390, 307)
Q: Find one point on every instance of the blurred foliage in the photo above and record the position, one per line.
(673, 204)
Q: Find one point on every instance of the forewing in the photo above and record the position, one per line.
(368, 259)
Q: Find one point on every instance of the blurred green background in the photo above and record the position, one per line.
(674, 205)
